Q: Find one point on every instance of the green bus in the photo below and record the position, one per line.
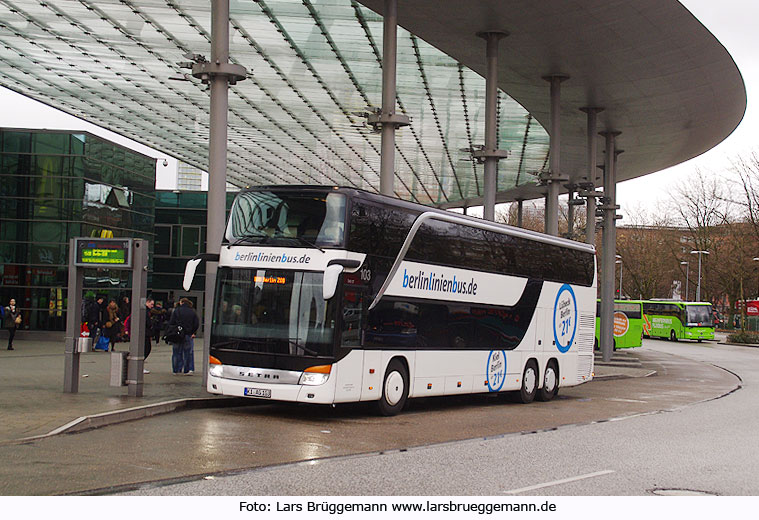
(628, 323)
(678, 320)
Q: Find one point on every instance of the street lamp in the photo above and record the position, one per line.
(619, 261)
(756, 259)
(698, 288)
(687, 272)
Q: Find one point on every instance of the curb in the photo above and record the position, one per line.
(738, 344)
(608, 377)
(90, 422)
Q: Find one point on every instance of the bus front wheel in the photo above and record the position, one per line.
(550, 382)
(672, 335)
(529, 383)
(394, 389)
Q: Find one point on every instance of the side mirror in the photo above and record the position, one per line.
(331, 277)
(189, 272)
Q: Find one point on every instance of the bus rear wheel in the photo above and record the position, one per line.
(672, 335)
(394, 389)
(529, 383)
(550, 382)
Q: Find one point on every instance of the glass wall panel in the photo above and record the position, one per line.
(162, 240)
(190, 240)
(50, 143)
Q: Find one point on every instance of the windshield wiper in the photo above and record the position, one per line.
(308, 243)
(249, 240)
(298, 345)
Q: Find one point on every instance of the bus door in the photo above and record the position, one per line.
(364, 372)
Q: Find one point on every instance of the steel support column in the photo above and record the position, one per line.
(491, 154)
(520, 213)
(219, 73)
(387, 119)
(554, 174)
(609, 244)
(589, 182)
(570, 210)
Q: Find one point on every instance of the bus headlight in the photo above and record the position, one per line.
(317, 375)
(215, 368)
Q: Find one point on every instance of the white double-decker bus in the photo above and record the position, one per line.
(329, 295)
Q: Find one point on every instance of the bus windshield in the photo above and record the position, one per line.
(273, 312)
(282, 217)
(698, 314)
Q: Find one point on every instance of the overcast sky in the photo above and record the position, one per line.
(733, 22)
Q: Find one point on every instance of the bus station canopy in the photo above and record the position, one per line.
(314, 72)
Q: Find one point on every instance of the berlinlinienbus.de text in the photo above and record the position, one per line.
(266, 257)
(432, 282)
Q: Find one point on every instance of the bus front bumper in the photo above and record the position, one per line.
(319, 394)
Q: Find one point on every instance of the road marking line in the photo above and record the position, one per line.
(557, 482)
(624, 400)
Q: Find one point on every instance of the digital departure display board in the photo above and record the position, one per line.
(103, 252)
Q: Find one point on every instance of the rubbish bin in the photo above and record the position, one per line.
(118, 368)
(83, 345)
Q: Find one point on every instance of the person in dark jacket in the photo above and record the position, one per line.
(182, 356)
(150, 325)
(91, 314)
(113, 325)
(11, 321)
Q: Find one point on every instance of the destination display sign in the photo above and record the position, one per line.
(103, 252)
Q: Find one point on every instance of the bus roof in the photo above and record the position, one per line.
(412, 206)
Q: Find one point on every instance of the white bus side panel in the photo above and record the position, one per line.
(348, 377)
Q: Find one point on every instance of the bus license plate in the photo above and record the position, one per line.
(257, 392)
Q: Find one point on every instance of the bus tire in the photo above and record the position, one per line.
(672, 335)
(529, 382)
(394, 389)
(550, 382)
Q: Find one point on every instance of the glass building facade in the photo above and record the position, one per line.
(180, 234)
(58, 185)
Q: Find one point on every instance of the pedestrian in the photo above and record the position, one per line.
(182, 356)
(91, 314)
(112, 325)
(150, 325)
(159, 320)
(11, 321)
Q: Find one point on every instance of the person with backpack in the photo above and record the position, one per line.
(180, 332)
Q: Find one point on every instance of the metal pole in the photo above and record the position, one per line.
(73, 324)
(491, 107)
(136, 360)
(552, 197)
(620, 279)
(570, 212)
(217, 159)
(389, 51)
(589, 183)
(608, 254)
(698, 288)
(520, 209)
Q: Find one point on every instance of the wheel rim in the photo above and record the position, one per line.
(393, 388)
(550, 380)
(529, 380)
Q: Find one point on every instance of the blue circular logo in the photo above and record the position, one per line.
(565, 318)
(496, 370)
